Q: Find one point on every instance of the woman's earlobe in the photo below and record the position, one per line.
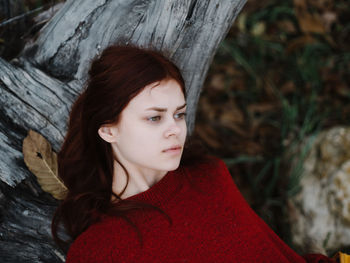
(107, 133)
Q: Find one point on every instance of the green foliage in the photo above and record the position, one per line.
(285, 62)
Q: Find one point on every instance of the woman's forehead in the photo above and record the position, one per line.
(162, 94)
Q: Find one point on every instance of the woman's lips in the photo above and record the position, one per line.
(173, 150)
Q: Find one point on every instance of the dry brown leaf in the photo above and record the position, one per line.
(261, 107)
(308, 22)
(288, 87)
(218, 82)
(341, 257)
(235, 128)
(299, 42)
(250, 148)
(208, 135)
(300, 4)
(321, 4)
(206, 108)
(286, 26)
(230, 69)
(231, 113)
(42, 162)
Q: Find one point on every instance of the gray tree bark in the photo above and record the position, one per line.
(39, 87)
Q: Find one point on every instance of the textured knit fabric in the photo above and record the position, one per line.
(211, 223)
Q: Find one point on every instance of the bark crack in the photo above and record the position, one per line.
(191, 9)
(64, 62)
(6, 88)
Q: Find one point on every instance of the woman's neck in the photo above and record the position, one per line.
(139, 181)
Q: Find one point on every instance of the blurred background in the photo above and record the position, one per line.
(281, 76)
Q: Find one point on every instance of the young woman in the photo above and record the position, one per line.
(137, 193)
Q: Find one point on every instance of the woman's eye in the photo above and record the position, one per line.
(178, 116)
(154, 119)
(181, 115)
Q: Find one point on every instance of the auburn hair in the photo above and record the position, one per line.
(85, 160)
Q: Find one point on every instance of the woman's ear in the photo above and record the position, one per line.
(108, 133)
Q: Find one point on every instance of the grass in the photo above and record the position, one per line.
(288, 84)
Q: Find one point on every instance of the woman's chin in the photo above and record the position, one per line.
(173, 165)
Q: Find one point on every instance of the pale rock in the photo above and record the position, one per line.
(320, 213)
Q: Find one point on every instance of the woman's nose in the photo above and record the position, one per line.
(173, 129)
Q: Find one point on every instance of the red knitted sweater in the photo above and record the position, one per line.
(211, 223)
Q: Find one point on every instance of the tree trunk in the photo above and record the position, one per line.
(38, 89)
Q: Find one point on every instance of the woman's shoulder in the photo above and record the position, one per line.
(208, 165)
(211, 171)
(96, 244)
(205, 162)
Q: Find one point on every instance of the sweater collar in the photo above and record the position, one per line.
(163, 190)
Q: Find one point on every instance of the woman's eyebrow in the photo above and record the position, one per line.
(164, 109)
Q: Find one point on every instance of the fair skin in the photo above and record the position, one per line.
(152, 122)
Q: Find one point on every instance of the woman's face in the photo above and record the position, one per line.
(151, 123)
